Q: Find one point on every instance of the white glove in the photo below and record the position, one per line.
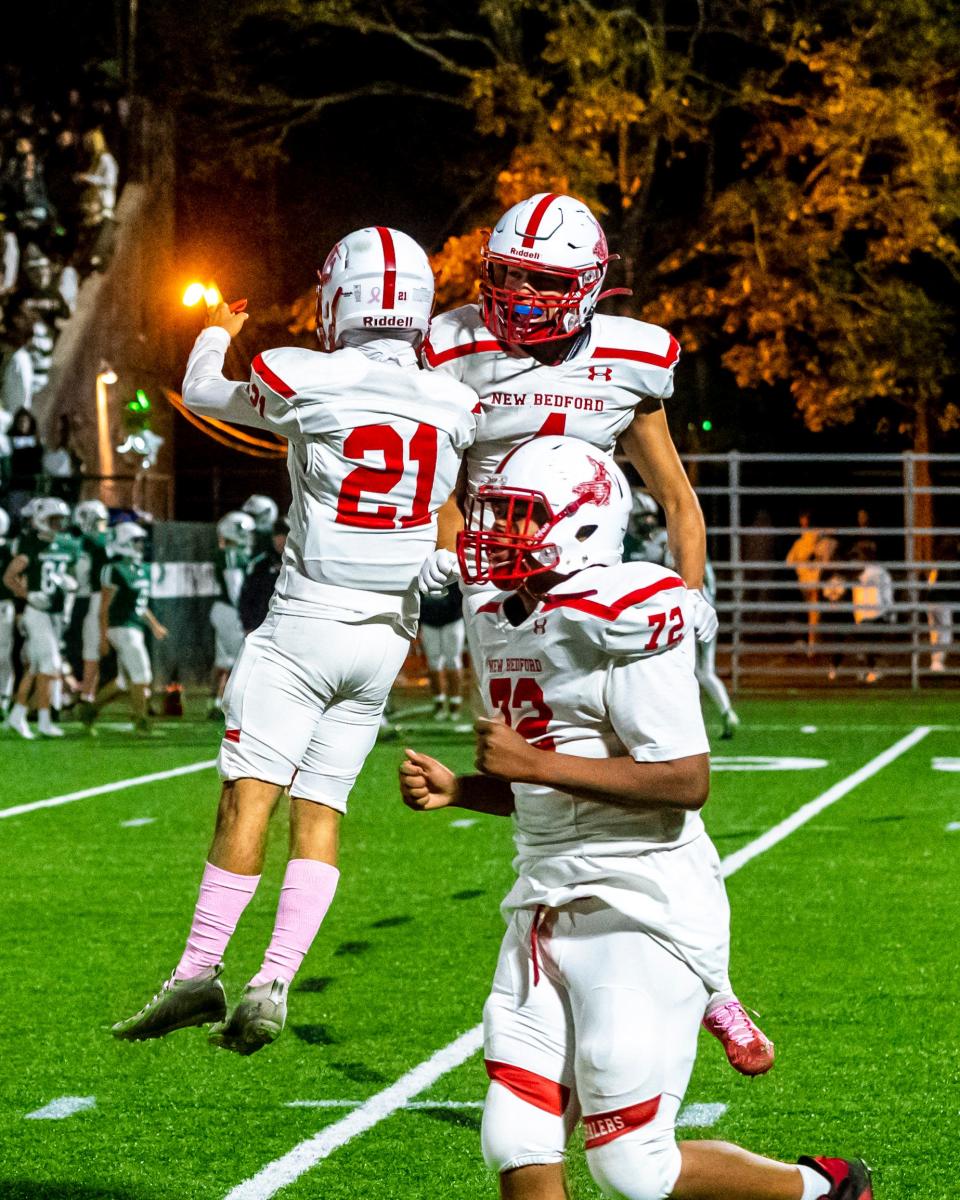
(439, 570)
(65, 582)
(705, 622)
(39, 601)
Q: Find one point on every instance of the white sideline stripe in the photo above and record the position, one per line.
(749, 727)
(63, 1106)
(290, 1166)
(733, 862)
(465, 823)
(104, 788)
(953, 827)
(945, 764)
(136, 822)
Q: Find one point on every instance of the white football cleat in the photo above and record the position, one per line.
(20, 726)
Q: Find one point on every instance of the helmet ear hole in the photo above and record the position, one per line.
(585, 531)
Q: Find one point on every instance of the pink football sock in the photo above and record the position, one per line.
(223, 897)
(307, 893)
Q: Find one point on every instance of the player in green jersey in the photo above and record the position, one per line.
(125, 615)
(235, 533)
(41, 571)
(8, 616)
(91, 518)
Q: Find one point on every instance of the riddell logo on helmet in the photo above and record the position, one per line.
(527, 253)
(392, 322)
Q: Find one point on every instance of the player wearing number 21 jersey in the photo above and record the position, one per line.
(374, 450)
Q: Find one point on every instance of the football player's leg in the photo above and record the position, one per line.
(712, 684)
(531, 1107)
(43, 651)
(636, 1009)
(453, 643)
(7, 617)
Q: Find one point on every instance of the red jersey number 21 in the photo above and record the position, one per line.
(365, 484)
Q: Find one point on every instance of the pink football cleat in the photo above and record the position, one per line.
(747, 1047)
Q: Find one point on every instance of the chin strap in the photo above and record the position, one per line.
(615, 292)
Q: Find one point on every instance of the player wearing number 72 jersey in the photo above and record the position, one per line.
(374, 450)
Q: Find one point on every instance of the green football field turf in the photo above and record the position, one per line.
(845, 939)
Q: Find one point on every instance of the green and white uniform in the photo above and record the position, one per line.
(51, 583)
(126, 623)
(230, 567)
(94, 553)
(8, 615)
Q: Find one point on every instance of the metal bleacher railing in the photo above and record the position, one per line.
(767, 636)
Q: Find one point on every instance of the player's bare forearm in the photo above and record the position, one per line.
(649, 447)
(14, 577)
(449, 524)
(678, 783)
(484, 794)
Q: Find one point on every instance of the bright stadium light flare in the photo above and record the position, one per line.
(211, 294)
(193, 294)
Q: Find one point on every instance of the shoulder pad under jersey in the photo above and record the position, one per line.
(630, 610)
(290, 371)
(643, 356)
(456, 335)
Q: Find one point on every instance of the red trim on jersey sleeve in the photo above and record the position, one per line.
(644, 356)
(389, 267)
(610, 612)
(435, 358)
(600, 1128)
(232, 735)
(535, 218)
(271, 379)
(490, 606)
(542, 1093)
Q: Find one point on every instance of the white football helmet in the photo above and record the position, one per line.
(237, 529)
(558, 243)
(49, 516)
(129, 540)
(263, 510)
(374, 279)
(4, 522)
(91, 516)
(554, 504)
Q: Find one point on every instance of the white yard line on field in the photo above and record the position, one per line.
(104, 788)
(733, 862)
(308, 1153)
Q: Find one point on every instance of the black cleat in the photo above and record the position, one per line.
(849, 1177)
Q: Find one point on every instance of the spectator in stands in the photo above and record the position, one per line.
(942, 597)
(835, 623)
(62, 463)
(16, 379)
(26, 461)
(98, 202)
(27, 191)
(872, 595)
(812, 549)
(9, 256)
(38, 300)
(63, 165)
(261, 578)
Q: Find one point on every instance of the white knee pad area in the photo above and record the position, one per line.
(517, 1134)
(637, 1166)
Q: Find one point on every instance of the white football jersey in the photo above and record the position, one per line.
(374, 451)
(603, 667)
(620, 364)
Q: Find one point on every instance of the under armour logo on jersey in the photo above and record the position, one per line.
(598, 490)
(604, 373)
(540, 625)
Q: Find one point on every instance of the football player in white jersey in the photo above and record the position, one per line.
(374, 451)
(618, 925)
(544, 362)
